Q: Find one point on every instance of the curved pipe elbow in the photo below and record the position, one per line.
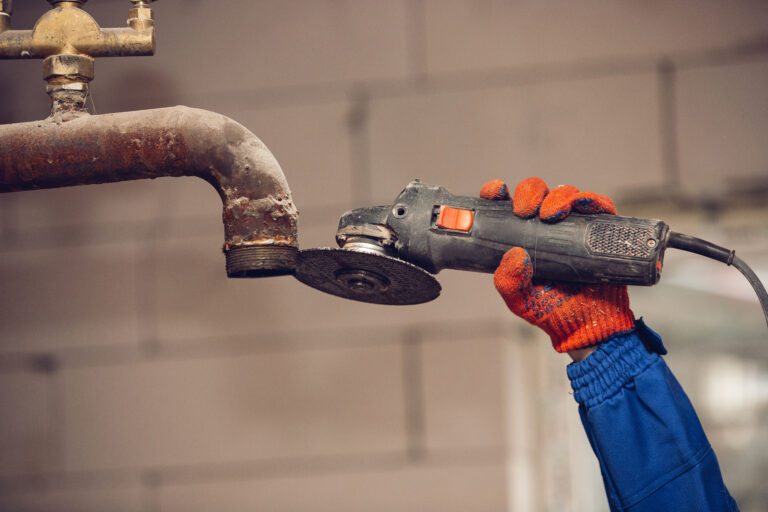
(260, 219)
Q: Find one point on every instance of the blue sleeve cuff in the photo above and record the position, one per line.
(617, 361)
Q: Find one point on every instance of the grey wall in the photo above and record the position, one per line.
(135, 376)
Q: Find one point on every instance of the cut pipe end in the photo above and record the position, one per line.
(261, 260)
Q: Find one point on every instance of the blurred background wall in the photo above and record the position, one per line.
(134, 376)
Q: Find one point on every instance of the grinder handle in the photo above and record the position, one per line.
(441, 231)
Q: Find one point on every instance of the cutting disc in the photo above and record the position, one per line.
(366, 277)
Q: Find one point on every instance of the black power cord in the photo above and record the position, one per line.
(727, 256)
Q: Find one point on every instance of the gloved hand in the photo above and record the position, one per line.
(574, 315)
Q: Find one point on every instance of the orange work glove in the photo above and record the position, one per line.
(574, 315)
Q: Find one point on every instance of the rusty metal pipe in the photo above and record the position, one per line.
(259, 215)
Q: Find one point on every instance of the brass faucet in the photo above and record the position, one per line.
(72, 147)
(5, 15)
(68, 39)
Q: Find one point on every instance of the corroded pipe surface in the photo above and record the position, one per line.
(259, 214)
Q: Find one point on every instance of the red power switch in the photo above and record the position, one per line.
(454, 218)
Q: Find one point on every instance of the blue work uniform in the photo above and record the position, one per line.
(652, 450)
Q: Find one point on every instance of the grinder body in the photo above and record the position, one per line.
(388, 253)
(434, 229)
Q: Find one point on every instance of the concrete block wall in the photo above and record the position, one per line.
(135, 376)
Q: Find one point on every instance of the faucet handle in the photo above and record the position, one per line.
(140, 15)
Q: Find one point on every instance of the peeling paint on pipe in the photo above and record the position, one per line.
(259, 216)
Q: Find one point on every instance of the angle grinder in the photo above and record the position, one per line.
(388, 253)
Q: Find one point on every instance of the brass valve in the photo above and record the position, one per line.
(140, 15)
(68, 39)
(5, 15)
